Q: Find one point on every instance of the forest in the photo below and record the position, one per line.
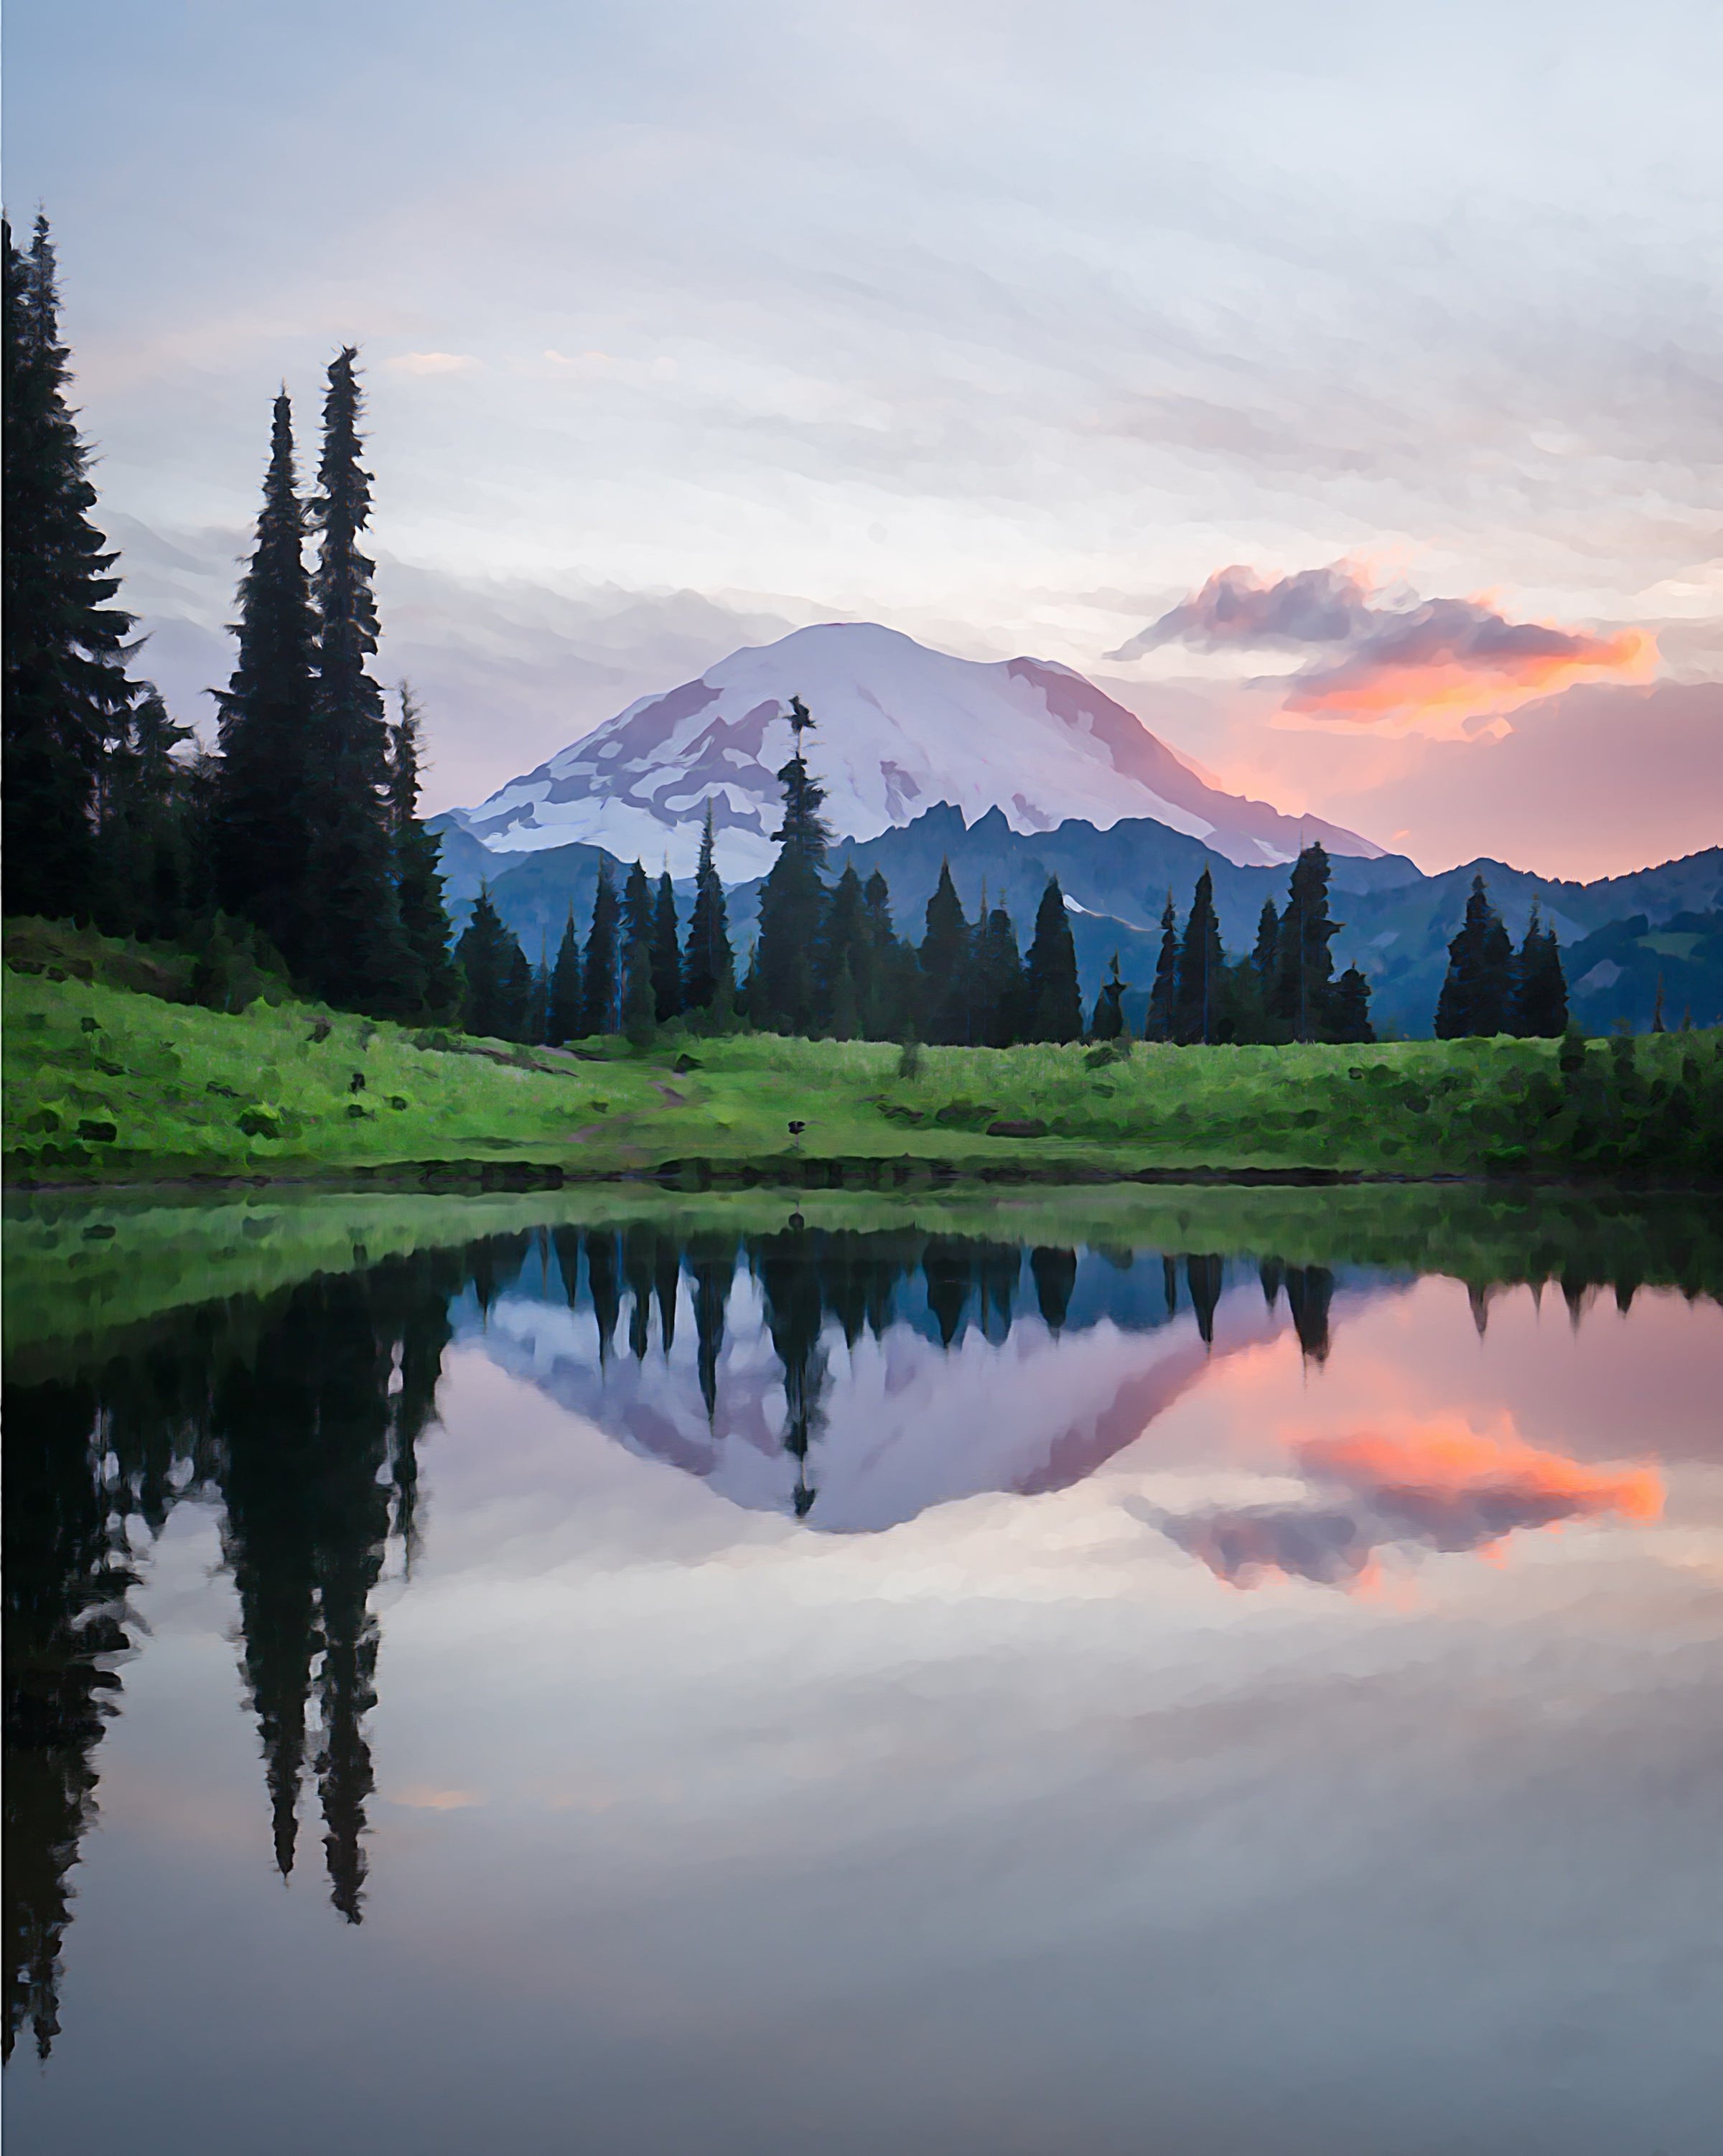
(290, 856)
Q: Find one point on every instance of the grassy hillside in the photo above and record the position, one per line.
(103, 1084)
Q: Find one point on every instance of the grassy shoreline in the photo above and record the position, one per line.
(107, 1086)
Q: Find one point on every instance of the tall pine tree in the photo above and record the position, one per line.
(1202, 965)
(1539, 1000)
(999, 981)
(708, 963)
(357, 955)
(1162, 997)
(1477, 990)
(66, 691)
(946, 986)
(793, 900)
(563, 1014)
(1304, 964)
(263, 811)
(419, 878)
(1051, 991)
(487, 953)
(599, 984)
(667, 958)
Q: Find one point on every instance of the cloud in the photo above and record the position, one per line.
(1440, 1485)
(1433, 666)
(433, 363)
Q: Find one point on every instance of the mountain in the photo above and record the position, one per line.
(898, 728)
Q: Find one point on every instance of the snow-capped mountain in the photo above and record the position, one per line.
(898, 727)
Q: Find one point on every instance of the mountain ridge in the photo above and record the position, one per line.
(898, 728)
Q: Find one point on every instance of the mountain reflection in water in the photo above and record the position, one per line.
(848, 1379)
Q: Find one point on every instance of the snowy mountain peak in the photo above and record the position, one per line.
(898, 728)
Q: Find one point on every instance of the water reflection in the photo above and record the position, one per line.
(848, 1377)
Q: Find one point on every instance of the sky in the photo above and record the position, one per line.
(1337, 386)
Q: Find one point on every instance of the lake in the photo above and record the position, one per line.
(1199, 1669)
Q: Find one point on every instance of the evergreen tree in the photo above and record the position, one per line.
(793, 900)
(1107, 1023)
(894, 972)
(563, 1014)
(844, 960)
(1198, 1001)
(1540, 1002)
(419, 876)
(487, 953)
(355, 953)
(1304, 964)
(999, 981)
(263, 810)
(1349, 1008)
(149, 883)
(1265, 956)
(638, 1023)
(945, 994)
(538, 1017)
(667, 958)
(1161, 1023)
(708, 963)
(66, 692)
(516, 993)
(1051, 991)
(1476, 993)
(599, 1012)
(636, 908)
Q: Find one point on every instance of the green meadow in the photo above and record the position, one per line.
(105, 1084)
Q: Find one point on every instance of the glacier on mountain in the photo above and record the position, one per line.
(898, 727)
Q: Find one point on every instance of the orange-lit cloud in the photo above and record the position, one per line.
(1438, 667)
(1438, 1484)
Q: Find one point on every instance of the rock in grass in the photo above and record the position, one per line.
(1028, 1128)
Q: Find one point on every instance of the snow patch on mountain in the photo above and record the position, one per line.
(898, 728)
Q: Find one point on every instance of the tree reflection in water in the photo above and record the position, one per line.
(300, 1413)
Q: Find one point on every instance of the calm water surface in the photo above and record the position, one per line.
(1237, 1679)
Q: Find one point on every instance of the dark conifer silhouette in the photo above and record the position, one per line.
(1349, 1008)
(419, 878)
(487, 953)
(1205, 1276)
(792, 899)
(1107, 1023)
(945, 955)
(667, 958)
(1477, 994)
(356, 954)
(1162, 1020)
(562, 1012)
(1050, 988)
(67, 695)
(1203, 963)
(708, 964)
(263, 782)
(1539, 999)
(1054, 1272)
(1304, 965)
(599, 982)
(999, 981)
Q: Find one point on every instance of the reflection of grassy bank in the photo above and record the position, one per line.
(106, 1085)
(78, 1269)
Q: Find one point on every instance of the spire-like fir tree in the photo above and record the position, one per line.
(563, 1014)
(419, 878)
(355, 953)
(66, 690)
(999, 981)
(945, 955)
(1163, 995)
(793, 900)
(708, 963)
(667, 958)
(1540, 1001)
(1349, 1008)
(1304, 964)
(1202, 966)
(1107, 1023)
(1476, 993)
(263, 811)
(599, 984)
(1265, 955)
(1050, 992)
(487, 953)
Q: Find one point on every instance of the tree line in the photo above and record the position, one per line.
(296, 842)
(828, 960)
(295, 847)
